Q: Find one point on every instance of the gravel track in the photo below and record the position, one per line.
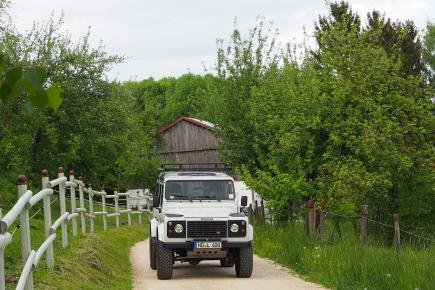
(209, 275)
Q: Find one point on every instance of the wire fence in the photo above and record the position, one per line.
(332, 227)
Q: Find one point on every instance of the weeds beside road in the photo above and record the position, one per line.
(345, 264)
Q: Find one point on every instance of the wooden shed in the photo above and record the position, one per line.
(189, 140)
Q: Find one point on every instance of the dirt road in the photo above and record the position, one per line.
(209, 275)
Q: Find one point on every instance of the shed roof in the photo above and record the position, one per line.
(193, 121)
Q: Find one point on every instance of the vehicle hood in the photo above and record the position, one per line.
(197, 210)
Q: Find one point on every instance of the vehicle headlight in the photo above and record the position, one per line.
(178, 228)
(234, 228)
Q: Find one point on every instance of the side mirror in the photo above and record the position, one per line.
(156, 201)
(244, 201)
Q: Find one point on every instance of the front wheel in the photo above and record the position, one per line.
(153, 249)
(165, 260)
(244, 262)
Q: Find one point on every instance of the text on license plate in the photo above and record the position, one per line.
(207, 245)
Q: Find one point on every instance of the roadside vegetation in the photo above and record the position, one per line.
(99, 259)
(345, 264)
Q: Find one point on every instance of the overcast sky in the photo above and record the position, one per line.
(169, 38)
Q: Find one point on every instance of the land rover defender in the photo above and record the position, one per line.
(196, 217)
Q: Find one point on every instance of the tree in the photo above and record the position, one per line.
(429, 51)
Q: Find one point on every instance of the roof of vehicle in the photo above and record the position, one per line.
(194, 175)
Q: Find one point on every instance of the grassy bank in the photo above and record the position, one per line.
(92, 261)
(345, 264)
(98, 261)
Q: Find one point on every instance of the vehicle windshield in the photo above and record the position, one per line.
(199, 190)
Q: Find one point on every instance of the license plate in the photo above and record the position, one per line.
(207, 245)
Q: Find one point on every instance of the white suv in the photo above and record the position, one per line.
(196, 217)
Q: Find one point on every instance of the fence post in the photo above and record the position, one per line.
(117, 209)
(91, 210)
(397, 233)
(62, 202)
(25, 229)
(73, 202)
(129, 209)
(263, 218)
(139, 208)
(103, 201)
(82, 206)
(363, 211)
(47, 220)
(322, 219)
(2, 258)
(311, 217)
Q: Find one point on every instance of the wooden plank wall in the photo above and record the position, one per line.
(188, 143)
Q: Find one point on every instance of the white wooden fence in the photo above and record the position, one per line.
(27, 200)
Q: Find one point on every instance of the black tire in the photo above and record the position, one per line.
(244, 262)
(165, 260)
(153, 252)
(227, 263)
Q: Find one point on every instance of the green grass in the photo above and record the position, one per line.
(91, 261)
(345, 264)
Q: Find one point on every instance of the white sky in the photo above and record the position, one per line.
(171, 37)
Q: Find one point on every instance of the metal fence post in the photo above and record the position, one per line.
(91, 211)
(82, 206)
(116, 209)
(73, 202)
(25, 229)
(47, 220)
(363, 210)
(139, 208)
(129, 208)
(62, 202)
(103, 201)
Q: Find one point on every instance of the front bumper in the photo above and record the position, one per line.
(225, 245)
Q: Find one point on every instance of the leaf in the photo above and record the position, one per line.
(39, 99)
(54, 98)
(5, 91)
(36, 75)
(13, 75)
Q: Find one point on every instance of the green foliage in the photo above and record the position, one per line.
(14, 81)
(350, 122)
(429, 51)
(92, 130)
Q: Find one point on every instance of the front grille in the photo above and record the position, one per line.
(206, 229)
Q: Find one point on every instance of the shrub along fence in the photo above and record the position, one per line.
(27, 200)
